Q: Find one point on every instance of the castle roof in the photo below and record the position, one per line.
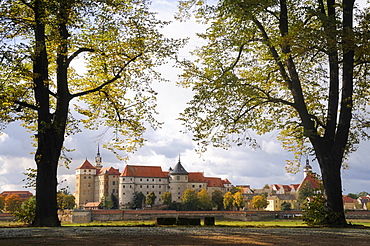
(144, 171)
(179, 169)
(196, 177)
(215, 182)
(109, 170)
(86, 165)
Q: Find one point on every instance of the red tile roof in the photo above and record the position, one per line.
(23, 195)
(109, 170)
(144, 171)
(312, 180)
(347, 199)
(196, 177)
(226, 181)
(86, 165)
(215, 182)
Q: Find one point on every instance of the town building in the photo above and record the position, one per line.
(23, 195)
(93, 182)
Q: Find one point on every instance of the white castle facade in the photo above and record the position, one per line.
(93, 182)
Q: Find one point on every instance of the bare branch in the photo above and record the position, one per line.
(76, 53)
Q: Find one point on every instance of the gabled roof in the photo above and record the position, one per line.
(144, 171)
(311, 180)
(179, 169)
(283, 197)
(196, 177)
(226, 181)
(109, 170)
(86, 165)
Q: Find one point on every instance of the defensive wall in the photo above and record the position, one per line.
(86, 216)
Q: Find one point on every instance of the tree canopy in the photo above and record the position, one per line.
(297, 67)
(99, 56)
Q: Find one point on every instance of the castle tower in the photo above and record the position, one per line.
(85, 175)
(178, 179)
(307, 168)
(98, 160)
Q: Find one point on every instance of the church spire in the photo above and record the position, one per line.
(307, 168)
(98, 159)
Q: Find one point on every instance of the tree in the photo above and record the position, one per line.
(286, 206)
(167, 198)
(238, 200)
(120, 45)
(138, 199)
(228, 201)
(190, 200)
(2, 203)
(352, 195)
(12, 203)
(218, 199)
(115, 201)
(297, 67)
(259, 202)
(106, 202)
(65, 201)
(150, 199)
(204, 200)
(27, 211)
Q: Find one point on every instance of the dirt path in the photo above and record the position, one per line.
(103, 236)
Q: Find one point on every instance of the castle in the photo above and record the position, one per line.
(95, 182)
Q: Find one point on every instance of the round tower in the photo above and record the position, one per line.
(178, 179)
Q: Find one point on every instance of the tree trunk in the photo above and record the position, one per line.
(47, 156)
(330, 164)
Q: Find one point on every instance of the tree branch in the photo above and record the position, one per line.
(76, 53)
(116, 77)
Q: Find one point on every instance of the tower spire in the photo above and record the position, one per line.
(98, 159)
(307, 168)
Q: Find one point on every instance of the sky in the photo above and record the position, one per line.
(240, 165)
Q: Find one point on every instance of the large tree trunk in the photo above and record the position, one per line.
(47, 156)
(330, 165)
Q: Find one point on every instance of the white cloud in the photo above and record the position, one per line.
(272, 147)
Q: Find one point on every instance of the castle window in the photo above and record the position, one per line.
(178, 188)
(114, 182)
(160, 193)
(193, 186)
(123, 193)
(130, 186)
(160, 186)
(147, 179)
(123, 179)
(89, 170)
(147, 192)
(178, 177)
(141, 179)
(89, 177)
(85, 171)
(130, 179)
(153, 186)
(123, 186)
(113, 191)
(84, 177)
(200, 186)
(160, 180)
(152, 179)
(147, 186)
(141, 186)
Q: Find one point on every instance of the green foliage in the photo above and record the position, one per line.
(190, 201)
(259, 202)
(238, 200)
(138, 199)
(115, 201)
(352, 195)
(218, 199)
(27, 212)
(314, 212)
(166, 198)
(106, 203)
(150, 199)
(65, 201)
(228, 201)
(204, 200)
(286, 206)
